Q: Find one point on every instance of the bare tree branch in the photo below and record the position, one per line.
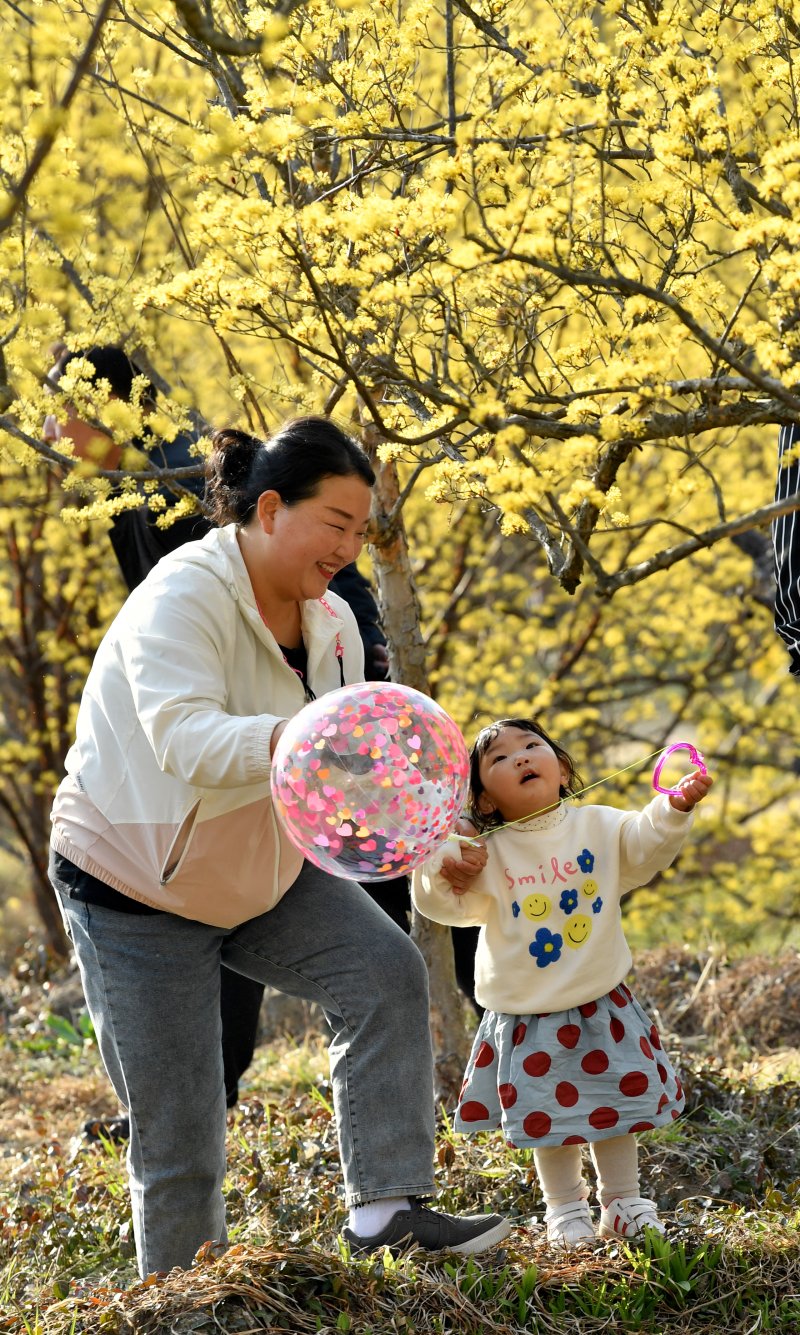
(608, 584)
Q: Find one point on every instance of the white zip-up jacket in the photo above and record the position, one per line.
(166, 796)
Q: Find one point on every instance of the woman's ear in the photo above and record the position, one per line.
(267, 507)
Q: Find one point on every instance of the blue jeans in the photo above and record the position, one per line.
(152, 988)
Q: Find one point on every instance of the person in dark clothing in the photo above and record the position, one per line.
(786, 544)
(139, 543)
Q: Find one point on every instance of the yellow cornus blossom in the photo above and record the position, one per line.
(545, 256)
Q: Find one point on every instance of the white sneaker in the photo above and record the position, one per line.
(569, 1225)
(628, 1217)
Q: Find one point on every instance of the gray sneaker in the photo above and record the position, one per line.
(420, 1227)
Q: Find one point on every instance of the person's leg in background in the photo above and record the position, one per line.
(240, 1001)
(465, 940)
(393, 897)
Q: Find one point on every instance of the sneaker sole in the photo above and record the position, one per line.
(569, 1244)
(605, 1232)
(482, 1243)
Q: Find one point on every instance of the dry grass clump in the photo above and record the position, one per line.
(743, 1006)
(695, 1287)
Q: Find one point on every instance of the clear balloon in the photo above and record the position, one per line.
(369, 780)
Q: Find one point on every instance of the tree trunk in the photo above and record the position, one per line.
(400, 615)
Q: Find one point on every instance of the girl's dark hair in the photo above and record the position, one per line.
(481, 745)
(293, 462)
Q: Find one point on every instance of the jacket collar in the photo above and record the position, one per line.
(219, 551)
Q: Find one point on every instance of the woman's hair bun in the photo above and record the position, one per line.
(232, 455)
(229, 468)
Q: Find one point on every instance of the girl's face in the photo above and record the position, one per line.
(311, 541)
(521, 775)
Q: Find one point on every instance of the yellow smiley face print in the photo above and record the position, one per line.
(536, 907)
(577, 930)
(590, 888)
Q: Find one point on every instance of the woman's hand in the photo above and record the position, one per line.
(461, 872)
(693, 789)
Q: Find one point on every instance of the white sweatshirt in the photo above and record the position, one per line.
(548, 902)
(167, 795)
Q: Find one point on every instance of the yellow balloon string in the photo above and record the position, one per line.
(495, 829)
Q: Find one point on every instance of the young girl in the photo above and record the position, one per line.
(564, 1055)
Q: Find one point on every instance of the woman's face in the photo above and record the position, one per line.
(311, 541)
(520, 774)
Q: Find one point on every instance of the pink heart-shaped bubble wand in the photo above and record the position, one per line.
(695, 757)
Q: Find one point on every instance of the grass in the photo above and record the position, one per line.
(727, 1176)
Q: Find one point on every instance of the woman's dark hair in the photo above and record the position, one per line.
(293, 462)
(481, 745)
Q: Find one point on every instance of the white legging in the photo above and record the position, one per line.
(560, 1170)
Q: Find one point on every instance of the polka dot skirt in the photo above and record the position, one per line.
(570, 1077)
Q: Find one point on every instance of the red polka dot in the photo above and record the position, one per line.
(627, 991)
(662, 1103)
(520, 1030)
(537, 1124)
(566, 1094)
(595, 1063)
(641, 1126)
(485, 1055)
(646, 1049)
(618, 998)
(662, 1071)
(633, 1084)
(574, 1140)
(588, 1009)
(617, 1029)
(654, 1037)
(678, 1090)
(508, 1095)
(537, 1063)
(473, 1112)
(568, 1035)
(603, 1118)
(675, 1114)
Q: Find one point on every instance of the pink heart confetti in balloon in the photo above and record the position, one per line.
(385, 759)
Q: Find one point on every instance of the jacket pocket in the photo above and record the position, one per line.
(180, 845)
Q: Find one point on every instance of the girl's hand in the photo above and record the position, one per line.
(460, 872)
(692, 790)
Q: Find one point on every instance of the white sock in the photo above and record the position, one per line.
(367, 1220)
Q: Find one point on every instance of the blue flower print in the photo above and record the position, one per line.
(568, 901)
(546, 947)
(586, 861)
(597, 905)
(515, 909)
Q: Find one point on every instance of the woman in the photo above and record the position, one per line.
(168, 860)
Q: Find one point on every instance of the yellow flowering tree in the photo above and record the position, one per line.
(543, 255)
